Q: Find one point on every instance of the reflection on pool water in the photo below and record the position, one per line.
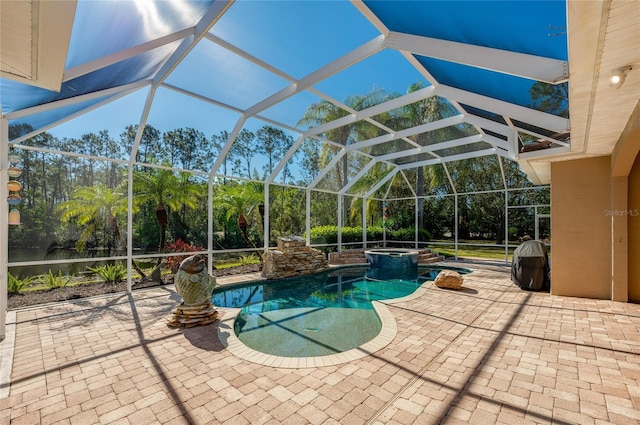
(317, 315)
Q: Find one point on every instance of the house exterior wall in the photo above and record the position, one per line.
(595, 222)
(581, 228)
(626, 178)
(634, 232)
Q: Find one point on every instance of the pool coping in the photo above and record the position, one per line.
(387, 334)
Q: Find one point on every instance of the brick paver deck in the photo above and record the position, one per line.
(488, 354)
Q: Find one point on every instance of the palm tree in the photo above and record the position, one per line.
(325, 112)
(374, 207)
(168, 191)
(424, 111)
(239, 200)
(322, 113)
(97, 209)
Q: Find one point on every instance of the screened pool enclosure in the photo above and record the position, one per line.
(411, 124)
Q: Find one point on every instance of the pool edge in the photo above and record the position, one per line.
(386, 335)
(236, 347)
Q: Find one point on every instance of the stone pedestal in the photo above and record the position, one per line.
(184, 316)
(292, 258)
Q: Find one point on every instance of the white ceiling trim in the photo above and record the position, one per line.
(40, 130)
(423, 128)
(602, 36)
(382, 182)
(129, 53)
(450, 158)
(537, 68)
(487, 124)
(528, 115)
(341, 63)
(212, 15)
(390, 105)
(430, 148)
(357, 177)
(71, 100)
(49, 29)
(327, 168)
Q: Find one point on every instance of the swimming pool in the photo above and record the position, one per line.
(317, 315)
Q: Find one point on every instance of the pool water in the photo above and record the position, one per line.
(317, 315)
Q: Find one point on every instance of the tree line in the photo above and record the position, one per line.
(81, 202)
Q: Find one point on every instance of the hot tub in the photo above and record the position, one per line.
(392, 258)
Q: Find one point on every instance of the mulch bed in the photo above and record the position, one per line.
(45, 296)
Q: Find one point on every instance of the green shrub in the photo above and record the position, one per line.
(409, 235)
(351, 234)
(16, 284)
(110, 273)
(54, 281)
(374, 233)
(424, 235)
(324, 235)
(249, 259)
(402, 235)
(329, 234)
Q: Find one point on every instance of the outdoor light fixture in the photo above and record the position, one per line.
(618, 76)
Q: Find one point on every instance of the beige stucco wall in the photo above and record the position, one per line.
(634, 231)
(626, 228)
(581, 228)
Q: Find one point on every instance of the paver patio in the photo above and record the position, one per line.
(490, 353)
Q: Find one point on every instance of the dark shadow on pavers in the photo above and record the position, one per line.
(463, 289)
(204, 337)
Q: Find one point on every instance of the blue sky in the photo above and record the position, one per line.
(298, 37)
(271, 31)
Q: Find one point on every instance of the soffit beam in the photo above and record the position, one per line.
(523, 65)
(468, 155)
(125, 54)
(430, 148)
(389, 105)
(72, 100)
(500, 107)
(332, 68)
(423, 128)
(212, 15)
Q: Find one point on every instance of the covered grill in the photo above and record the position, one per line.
(530, 268)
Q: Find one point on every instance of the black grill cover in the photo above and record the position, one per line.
(530, 268)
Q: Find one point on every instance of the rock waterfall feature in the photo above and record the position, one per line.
(292, 258)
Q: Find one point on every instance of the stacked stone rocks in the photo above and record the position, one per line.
(185, 316)
(292, 258)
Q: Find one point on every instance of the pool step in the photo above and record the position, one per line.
(357, 256)
(427, 256)
(351, 256)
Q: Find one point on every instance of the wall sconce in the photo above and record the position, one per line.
(618, 76)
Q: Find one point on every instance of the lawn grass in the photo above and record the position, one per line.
(235, 263)
(472, 251)
(478, 251)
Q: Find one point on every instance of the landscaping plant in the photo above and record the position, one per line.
(54, 281)
(16, 284)
(179, 246)
(110, 273)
